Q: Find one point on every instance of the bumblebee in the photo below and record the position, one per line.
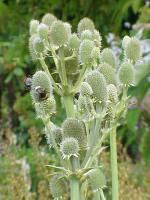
(41, 93)
(28, 83)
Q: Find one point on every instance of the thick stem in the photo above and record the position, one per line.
(74, 186)
(69, 106)
(114, 165)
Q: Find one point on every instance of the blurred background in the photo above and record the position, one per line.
(23, 150)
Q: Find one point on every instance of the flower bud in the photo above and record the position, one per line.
(58, 186)
(43, 31)
(87, 34)
(125, 41)
(126, 73)
(86, 89)
(85, 24)
(74, 41)
(108, 57)
(133, 49)
(38, 45)
(33, 26)
(112, 93)
(108, 72)
(69, 147)
(85, 50)
(75, 128)
(48, 19)
(58, 33)
(98, 84)
(41, 84)
(96, 179)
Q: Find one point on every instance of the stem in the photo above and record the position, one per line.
(102, 195)
(69, 106)
(114, 166)
(74, 186)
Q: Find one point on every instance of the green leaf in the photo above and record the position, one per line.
(18, 72)
(132, 119)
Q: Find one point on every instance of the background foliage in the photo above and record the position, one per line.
(23, 148)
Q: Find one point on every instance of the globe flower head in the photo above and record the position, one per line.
(69, 147)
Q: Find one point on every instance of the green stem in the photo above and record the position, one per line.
(69, 106)
(102, 195)
(114, 166)
(74, 186)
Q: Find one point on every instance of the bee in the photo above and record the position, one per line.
(28, 83)
(41, 93)
(77, 95)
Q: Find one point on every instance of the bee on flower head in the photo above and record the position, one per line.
(41, 93)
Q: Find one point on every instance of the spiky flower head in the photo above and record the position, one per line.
(126, 73)
(125, 41)
(86, 89)
(133, 49)
(41, 84)
(97, 38)
(108, 72)
(96, 179)
(43, 31)
(75, 128)
(74, 42)
(33, 26)
(58, 187)
(45, 108)
(86, 34)
(69, 147)
(85, 49)
(98, 84)
(48, 19)
(107, 56)
(58, 33)
(85, 24)
(112, 93)
(31, 48)
(95, 54)
(38, 45)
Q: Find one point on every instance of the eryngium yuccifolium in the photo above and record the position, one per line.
(43, 31)
(96, 179)
(48, 19)
(125, 41)
(95, 54)
(126, 73)
(108, 72)
(133, 49)
(57, 132)
(75, 128)
(74, 41)
(57, 187)
(31, 48)
(87, 34)
(97, 38)
(112, 93)
(108, 57)
(98, 84)
(45, 108)
(40, 80)
(86, 89)
(69, 147)
(33, 26)
(58, 33)
(68, 28)
(85, 24)
(85, 50)
(38, 45)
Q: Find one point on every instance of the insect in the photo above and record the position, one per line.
(28, 83)
(41, 93)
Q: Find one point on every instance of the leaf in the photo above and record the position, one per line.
(132, 119)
